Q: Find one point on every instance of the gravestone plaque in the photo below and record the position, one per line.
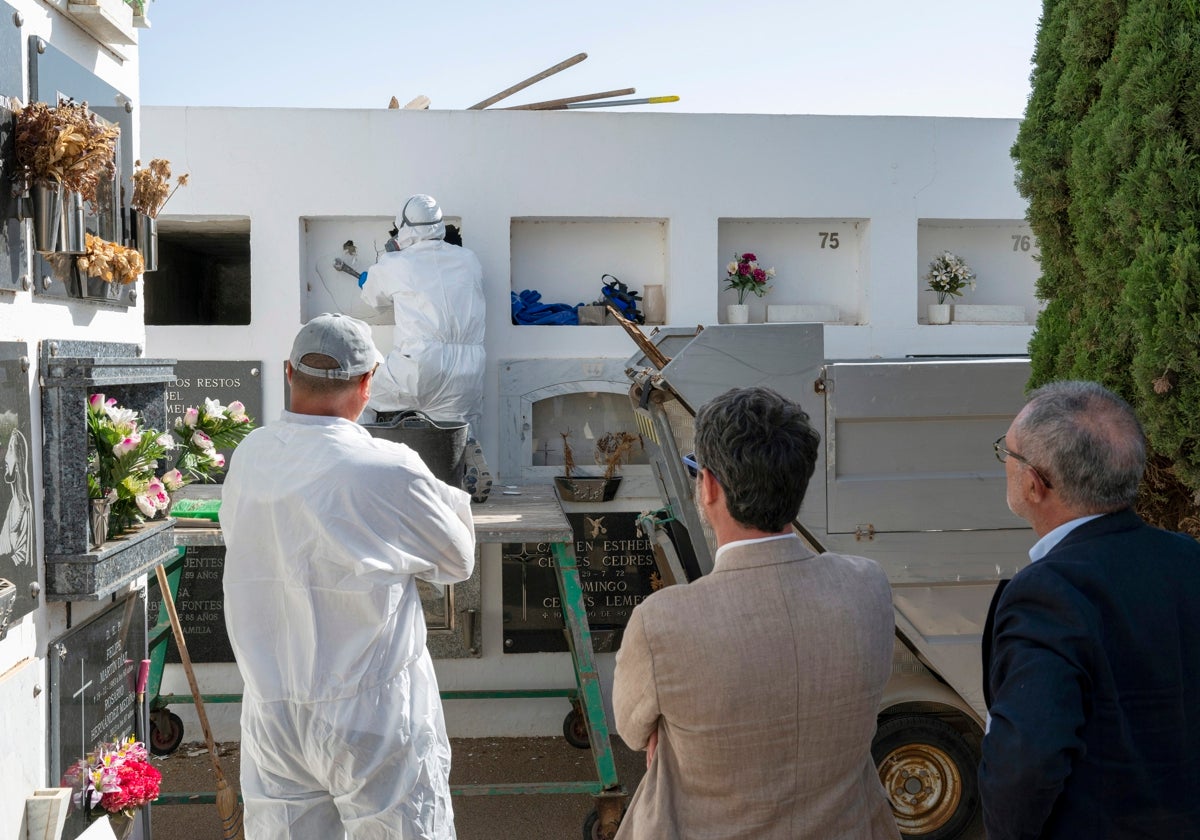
(18, 553)
(200, 603)
(92, 701)
(617, 571)
(197, 380)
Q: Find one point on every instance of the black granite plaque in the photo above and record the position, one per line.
(196, 380)
(200, 603)
(616, 571)
(92, 700)
(18, 545)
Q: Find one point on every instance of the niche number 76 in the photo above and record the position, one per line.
(1020, 242)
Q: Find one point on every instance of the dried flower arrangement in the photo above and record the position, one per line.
(612, 450)
(152, 187)
(68, 144)
(111, 262)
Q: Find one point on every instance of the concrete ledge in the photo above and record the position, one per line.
(803, 312)
(979, 313)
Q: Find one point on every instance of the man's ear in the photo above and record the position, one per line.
(288, 370)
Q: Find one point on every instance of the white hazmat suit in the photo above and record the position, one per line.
(327, 530)
(436, 363)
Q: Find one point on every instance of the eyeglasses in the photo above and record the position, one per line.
(693, 466)
(1003, 453)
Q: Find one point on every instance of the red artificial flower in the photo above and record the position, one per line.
(749, 257)
(743, 268)
(760, 276)
(137, 785)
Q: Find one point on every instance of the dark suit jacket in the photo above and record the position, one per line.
(1095, 689)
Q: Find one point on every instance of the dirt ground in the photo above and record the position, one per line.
(476, 760)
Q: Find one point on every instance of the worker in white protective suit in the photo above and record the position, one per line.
(436, 291)
(327, 530)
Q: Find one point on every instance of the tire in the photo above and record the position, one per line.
(575, 731)
(928, 772)
(591, 828)
(165, 742)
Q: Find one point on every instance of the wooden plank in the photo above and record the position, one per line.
(549, 71)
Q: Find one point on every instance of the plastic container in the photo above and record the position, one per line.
(440, 445)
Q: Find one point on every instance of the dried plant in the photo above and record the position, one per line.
(68, 144)
(568, 455)
(152, 187)
(613, 449)
(111, 262)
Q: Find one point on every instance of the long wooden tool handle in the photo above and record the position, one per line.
(550, 71)
(186, 660)
(554, 104)
(644, 344)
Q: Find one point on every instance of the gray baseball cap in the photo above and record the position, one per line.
(344, 339)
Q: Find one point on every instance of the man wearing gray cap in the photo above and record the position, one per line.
(327, 530)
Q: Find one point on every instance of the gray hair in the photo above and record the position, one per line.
(762, 450)
(1088, 443)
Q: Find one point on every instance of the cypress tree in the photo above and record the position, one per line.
(1107, 157)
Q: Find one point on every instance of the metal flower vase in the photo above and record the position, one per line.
(72, 237)
(47, 215)
(145, 239)
(101, 511)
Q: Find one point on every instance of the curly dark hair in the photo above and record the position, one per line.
(762, 449)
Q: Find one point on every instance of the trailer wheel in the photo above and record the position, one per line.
(575, 730)
(928, 771)
(165, 740)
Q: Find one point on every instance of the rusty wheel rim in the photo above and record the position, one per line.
(923, 786)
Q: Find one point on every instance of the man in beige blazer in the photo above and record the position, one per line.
(754, 690)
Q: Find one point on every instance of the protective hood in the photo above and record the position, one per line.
(420, 219)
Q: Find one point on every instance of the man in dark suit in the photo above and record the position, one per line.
(1094, 672)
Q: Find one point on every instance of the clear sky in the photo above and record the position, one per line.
(966, 58)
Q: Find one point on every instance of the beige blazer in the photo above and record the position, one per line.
(763, 680)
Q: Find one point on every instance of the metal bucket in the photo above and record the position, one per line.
(146, 239)
(440, 445)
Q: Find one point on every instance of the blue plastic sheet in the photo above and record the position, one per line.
(527, 308)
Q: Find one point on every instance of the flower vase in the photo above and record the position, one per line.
(654, 304)
(122, 824)
(939, 313)
(101, 511)
(47, 214)
(94, 288)
(146, 240)
(71, 237)
(737, 313)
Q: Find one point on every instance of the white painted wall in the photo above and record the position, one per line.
(555, 200)
(23, 672)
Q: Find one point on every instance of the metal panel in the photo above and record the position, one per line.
(12, 84)
(18, 534)
(909, 444)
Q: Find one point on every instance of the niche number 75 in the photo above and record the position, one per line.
(829, 239)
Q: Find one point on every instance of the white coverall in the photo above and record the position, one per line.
(327, 530)
(437, 357)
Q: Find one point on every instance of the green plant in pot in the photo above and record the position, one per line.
(612, 450)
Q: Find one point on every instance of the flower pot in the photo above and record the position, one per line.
(146, 240)
(586, 489)
(101, 510)
(71, 238)
(122, 824)
(47, 215)
(654, 304)
(737, 313)
(939, 313)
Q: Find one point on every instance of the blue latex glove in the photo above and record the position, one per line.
(362, 278)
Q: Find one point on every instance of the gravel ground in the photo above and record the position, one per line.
(476, 760)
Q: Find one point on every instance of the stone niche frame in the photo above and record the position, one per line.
(70, 371)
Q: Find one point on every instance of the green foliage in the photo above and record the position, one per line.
(1108, 158)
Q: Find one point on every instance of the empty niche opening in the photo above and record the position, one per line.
(203, 274)
(583, 418)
